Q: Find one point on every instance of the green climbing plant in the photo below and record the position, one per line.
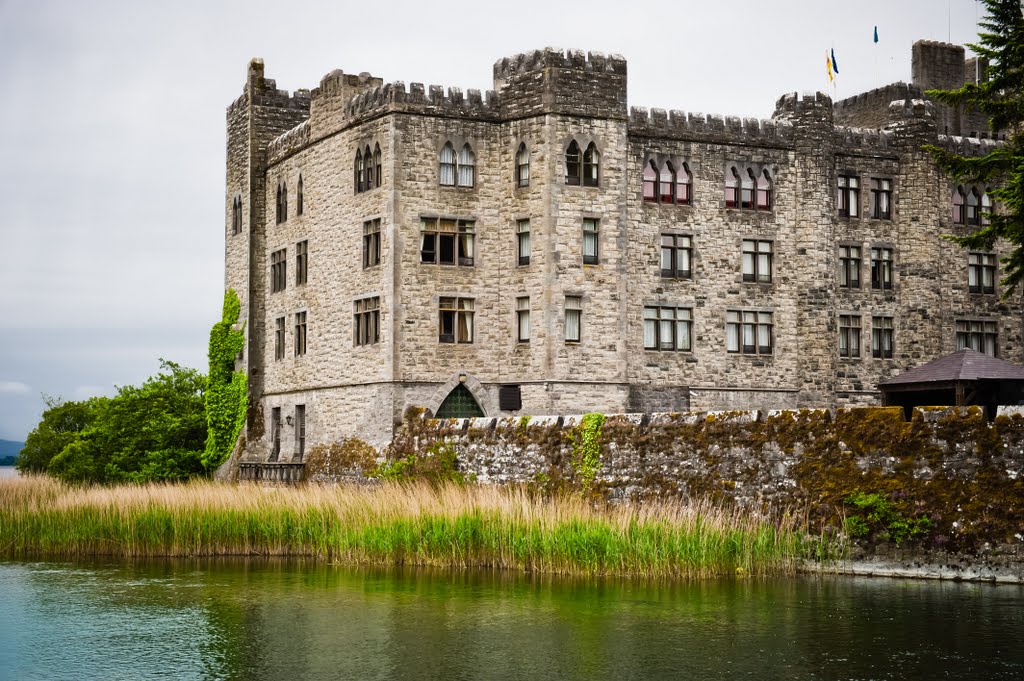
(586, 448)
(227, 390)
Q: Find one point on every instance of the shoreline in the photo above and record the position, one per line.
(884, 568)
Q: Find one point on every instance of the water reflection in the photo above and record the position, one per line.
(303, 620)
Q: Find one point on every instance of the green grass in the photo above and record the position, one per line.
(398, 524)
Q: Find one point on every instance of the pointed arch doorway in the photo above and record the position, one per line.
(459, 404)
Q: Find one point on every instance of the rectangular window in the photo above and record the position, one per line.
(668, 328)
(590, 227)
(275, 433)
(848, 198)
(749, 332)
(523, 319)
(981, 272)
(881, 337)
(982, 336)
(510, 398)
(371, 243)
(447, 242)
(849, 335)
(676, 256)
(366, 321)
(300, 333)
(573, 318)
(881, 199)
(300, 431)
(881, 268)
(849, 266)
(279, 338)
(456, 320)
(523, 242)
(278, 270)
(757, 261)
(301, 262)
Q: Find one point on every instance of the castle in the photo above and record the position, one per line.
(543, 249)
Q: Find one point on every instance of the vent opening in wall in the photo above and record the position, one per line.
(510, 398)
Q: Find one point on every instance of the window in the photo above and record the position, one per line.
(278, 270)
(881, 268)
(590, 227)
(972, 216)
(667, 185)
(371, 243)
(848, 199)
(282, 202)
(467, 161)
(668, 328)
(958, 206)
(676, 256)
(881, 337)
(684, 185)
(510, 398)
(360, 171)
(849, 266)
(748, 332)
(298, 197)
(650, 182)
(573, 164)
(757, 261)
(982, 336)
(748, 190)
(764, 191)
(881, 199)
(523, 166)
(447, 242)
(377, 165)
(300, 333)
(981, 272)
(300, 431)
(523, 319)
(447, 165)
(275, 433)
(523, 242)
(301, 262)
(366, 321)
(573, 318)
(849, 336)
(368, 183)
(732, 188)
(456, 323)
(236, 215)
(279, 338)
(591, 165)
(986, 208)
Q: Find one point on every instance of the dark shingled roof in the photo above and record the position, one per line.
(962, 365)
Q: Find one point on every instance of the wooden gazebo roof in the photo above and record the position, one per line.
(963, 366)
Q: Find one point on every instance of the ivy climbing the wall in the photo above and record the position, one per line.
(227, 391)
(586, 448)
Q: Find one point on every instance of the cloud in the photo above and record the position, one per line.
(14, 388)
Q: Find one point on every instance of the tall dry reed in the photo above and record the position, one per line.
(396, 523)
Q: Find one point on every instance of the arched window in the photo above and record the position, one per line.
(447, 165)
(650, 182)
(986, 208)
(284, 201)
(522, 166)
(368, 160)
(359, 174)
(298, 197)
(684, 182)
(747, 189)
(467, 162)
(279, 213)
(573, 165)
(236, 215)
(377, 164)
(958, 205)
(764, 191)
(591, 165)
(459, 404)
(972, 217)
(666, 183)
(732, 188)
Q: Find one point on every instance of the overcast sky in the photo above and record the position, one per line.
(112, 133)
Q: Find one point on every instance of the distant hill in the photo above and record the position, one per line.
(9, 451)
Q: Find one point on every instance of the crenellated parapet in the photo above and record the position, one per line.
(290, 142)
(507, 68)
(435, 100)
(864, 140)
(967, 146)
(264, 92)
(806, 106)
(871, 109)
(708, 128)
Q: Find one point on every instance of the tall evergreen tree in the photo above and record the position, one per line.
(1001, 98)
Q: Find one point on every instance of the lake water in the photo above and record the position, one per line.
(302, 620)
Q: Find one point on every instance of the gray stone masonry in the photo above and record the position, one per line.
(610, 281)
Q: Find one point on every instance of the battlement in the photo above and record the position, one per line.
(395, 96)
(967, 146)
(880, 96)
(264, 90)
(680, 124)
(554, 57)
(289, 142)
(863, 139)
(808, 102)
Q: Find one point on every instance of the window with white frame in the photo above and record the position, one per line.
(523, 319)
(757, 261)
(573, 319)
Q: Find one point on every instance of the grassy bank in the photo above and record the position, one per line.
(459, 526)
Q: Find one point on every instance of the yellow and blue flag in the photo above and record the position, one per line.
(835, 66)
(828, 66)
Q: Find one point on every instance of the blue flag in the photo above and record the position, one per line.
(876, 34)
(835, 66)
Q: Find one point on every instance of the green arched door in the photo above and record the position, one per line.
(459, 404)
